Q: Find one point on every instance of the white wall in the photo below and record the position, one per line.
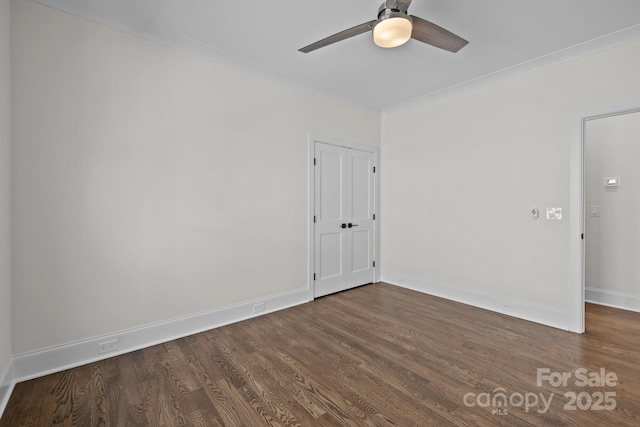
(5, 170)
(149, 183)
(461, 175)
(612, 148)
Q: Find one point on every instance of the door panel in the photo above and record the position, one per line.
(360, 213)
(343, 228)
(360, 255)
(361, 184)
(331, 185)
(330, 239)
(331, 255)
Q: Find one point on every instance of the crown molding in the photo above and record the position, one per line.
(599, 44)
(166, 37)
(158, 34)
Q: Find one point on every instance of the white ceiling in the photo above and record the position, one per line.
(506, 37)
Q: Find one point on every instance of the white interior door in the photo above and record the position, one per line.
(360, 211)
(343, 218)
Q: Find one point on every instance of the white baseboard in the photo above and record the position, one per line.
(614, 299)
(6, 385)
(55, 359)
(521, 309)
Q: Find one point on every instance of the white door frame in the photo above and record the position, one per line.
(313, 138)
(576, 205)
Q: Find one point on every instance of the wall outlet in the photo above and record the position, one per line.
(257, 308)
(107, 346)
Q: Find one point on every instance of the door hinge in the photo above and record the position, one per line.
(314, 161)
(374, 217)
(582, 237)
(374, 263)
(374, 169)
(314, 277)
(314, 219)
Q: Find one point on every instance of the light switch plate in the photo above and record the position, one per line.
(611, 181)
(554, 213)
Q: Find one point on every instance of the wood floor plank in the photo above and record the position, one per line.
(376, 372)
(377, 355)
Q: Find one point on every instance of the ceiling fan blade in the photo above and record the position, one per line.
(435, 35)
(342, 35)
(401, 5)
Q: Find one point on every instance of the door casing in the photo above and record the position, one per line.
(576, 285)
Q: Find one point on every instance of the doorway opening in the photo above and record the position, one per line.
(612, 231)
(577, 208)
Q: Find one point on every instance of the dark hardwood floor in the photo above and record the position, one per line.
(375, 355)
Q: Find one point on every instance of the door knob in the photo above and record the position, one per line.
(343, 225)
(352, 225)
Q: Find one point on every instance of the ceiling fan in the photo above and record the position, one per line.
(395, 27)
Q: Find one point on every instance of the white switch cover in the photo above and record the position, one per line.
(611, 181)
(554, 213)
(595, 210)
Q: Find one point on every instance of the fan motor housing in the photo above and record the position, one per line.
(386, 13)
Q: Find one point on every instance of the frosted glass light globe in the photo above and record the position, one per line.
(392, 32)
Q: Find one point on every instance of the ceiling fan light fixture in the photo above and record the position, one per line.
(393, 29)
